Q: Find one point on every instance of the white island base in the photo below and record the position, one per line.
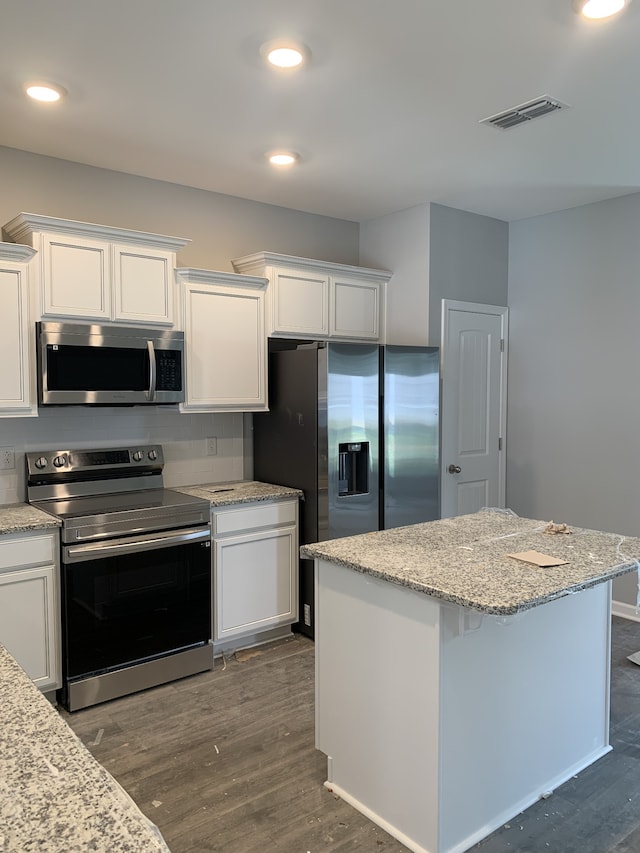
(441, 723)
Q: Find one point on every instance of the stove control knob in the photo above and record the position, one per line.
(137, 456)
(41, 462)
(153, 455)
(59, 461)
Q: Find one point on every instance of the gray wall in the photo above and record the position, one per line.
(399, 242)
(435, 253)
(468, 261)
(220, 227)
(573, 451)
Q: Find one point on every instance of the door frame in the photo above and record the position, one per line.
(449, 305)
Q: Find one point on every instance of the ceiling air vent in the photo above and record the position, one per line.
(541, 106)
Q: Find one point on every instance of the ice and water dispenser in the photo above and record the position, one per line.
(353, 468)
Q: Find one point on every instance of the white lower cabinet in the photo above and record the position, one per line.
(255, 565)
(29, 609)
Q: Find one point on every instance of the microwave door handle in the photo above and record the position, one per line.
(152, 370)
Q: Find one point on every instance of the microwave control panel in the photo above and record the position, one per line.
(169, 370)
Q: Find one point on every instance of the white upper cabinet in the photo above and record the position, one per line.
(96, 272)
(299, 302)
(222, 315)
(356, 308)
(318, 299)
(142, 281)
(17, 376)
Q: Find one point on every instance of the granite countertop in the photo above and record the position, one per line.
(464, 560)
(239, 492)
(54, 796)
(18, 517)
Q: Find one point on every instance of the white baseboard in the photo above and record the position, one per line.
(626, 611)
(248, 641)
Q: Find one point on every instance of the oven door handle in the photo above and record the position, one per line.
(134, 544)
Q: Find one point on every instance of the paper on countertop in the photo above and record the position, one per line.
(544, 561)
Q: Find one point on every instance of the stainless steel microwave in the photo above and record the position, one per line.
(93, 365)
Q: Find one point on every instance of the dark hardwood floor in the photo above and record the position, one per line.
(225, 761)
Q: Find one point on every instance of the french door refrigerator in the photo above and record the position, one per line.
(355, 427)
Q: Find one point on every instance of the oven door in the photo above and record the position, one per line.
(133, 599)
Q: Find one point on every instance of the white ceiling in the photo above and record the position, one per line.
(385, 116)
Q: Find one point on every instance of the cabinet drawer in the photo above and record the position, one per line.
(252, 516)
(18, 550)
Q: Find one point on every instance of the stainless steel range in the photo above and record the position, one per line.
(135, 570)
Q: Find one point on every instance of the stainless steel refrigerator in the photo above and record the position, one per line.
(355, 426)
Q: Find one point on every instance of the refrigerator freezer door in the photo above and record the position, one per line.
(286, 443)
(411, 393)
(289, 448)
(352, 439)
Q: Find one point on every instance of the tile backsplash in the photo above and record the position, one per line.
(182, 436)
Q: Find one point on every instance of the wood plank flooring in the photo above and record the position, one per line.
(225, 761)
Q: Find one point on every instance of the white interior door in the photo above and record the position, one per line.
(473, 410)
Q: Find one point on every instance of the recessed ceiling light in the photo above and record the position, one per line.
(48, 93)
(596, 9)
(282, 158)
(284, 54)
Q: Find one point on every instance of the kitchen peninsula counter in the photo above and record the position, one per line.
(239, 491)
(456, 685)
(54, 796)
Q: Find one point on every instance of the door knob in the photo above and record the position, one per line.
(454, 469)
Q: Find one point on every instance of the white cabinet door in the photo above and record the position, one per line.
(26, 620)
(299, 304)
(29, 612)
(226, 342)
(94, 280)
(255, 582)
(143, 285)
(75, 277)
(17, 379)
(255, 567)
(355, 308)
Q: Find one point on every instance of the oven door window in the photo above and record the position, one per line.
(122, 610)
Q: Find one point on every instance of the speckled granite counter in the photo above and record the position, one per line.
(464, 560)
(239, 492)
(54, 796)
(17, 517)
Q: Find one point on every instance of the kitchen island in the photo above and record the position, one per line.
(455, 684)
